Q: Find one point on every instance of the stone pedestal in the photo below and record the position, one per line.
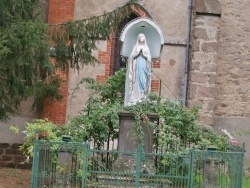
(129, 155)
(211, 173)
(127, 138)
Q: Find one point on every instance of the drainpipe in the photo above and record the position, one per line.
(190, 7)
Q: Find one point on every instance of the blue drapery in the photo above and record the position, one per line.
(142, 74)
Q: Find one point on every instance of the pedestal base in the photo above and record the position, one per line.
(127, 137)
(128, 144)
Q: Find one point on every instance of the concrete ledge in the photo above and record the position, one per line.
(208, 6)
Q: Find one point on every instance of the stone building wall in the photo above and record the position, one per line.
(11, 156)
(203, 65)
(233, 83)
(219, 69)
(219, 79)
(232, 110)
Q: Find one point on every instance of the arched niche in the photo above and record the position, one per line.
(149, 28)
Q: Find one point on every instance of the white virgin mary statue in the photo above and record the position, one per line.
(138, 77)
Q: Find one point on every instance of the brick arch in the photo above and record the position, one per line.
(140, 11)
(107, 57)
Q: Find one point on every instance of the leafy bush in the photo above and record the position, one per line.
(176, 130)
(177, 126)
(40, 130)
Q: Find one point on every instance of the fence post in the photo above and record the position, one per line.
(35, 164)
(242, 164)
(85, 164)
(239, 168)
(138, 166)
(191, 169)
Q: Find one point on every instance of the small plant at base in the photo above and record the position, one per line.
(39, 129)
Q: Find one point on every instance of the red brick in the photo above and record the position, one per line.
(59, 11)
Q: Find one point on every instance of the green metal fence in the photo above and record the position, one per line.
(57, 164)
(138, 169)
(216, 169)
(67, 164)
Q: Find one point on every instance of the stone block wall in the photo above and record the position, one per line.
(233, 83)
(11, 156)
(232, 110)
(203, 66)
(219, 70)
(220, 67)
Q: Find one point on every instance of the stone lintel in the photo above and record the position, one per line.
(208, 6)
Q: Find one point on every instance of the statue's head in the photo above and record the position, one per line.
(141, 38)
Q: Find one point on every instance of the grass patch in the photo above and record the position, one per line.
(246, 182)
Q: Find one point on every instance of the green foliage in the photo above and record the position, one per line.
(177, 129)
(25, 50)
(49, 90)
(246, 182)
(99, 120)
(177, 126)
(24, 55)
(109, 91)
(42, 130)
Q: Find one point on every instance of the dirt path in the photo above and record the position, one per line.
(14, 178)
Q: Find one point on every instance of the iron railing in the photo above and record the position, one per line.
(216, 169)
(68, 164)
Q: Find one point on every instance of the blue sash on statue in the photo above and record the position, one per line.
(142, 75)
